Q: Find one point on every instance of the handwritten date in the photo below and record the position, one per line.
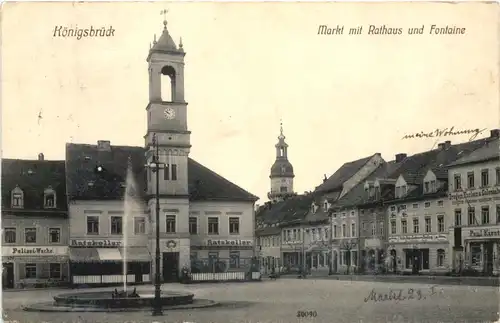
(400, 295)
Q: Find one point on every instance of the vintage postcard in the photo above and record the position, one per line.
(250, 162)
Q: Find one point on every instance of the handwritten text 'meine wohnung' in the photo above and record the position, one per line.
(445, 132)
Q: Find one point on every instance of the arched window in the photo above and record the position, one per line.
(282, 152)
(17, 198)
(49, 198)
(168, 84)
(440, 258)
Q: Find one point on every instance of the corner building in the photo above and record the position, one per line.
(207, 222)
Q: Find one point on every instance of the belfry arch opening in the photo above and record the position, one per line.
(167, 83)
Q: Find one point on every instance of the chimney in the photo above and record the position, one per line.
(104, 145)
(495, 133)
(40, 156)
(447, 144)
(441, 146)
(324, 179)
(400, 157)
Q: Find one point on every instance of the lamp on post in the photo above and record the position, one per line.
(155, 167)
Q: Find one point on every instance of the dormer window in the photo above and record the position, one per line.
(433, 186)
(325, 205)
(427, 187)
(377, 192)
(49, 198)
(17, 198)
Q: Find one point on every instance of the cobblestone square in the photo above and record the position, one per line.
(329, 301)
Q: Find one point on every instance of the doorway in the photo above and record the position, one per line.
(8, 275)
(170, 267)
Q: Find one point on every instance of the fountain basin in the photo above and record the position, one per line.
(106, 300)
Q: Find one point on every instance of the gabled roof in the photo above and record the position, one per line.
(490, 150)
(290, 209)
(82, 159)
(345, 172)
(33, 177)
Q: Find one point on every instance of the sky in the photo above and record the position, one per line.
(248, 66)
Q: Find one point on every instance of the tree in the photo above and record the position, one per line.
(348, 245)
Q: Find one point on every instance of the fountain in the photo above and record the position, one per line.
(115, 300)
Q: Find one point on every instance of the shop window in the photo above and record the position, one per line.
(54, 235)
(234, 259)
(116, 225)
(193, 225)
(30, 270)
(475, 255)
(9, 235)
(170, 223)
(55, 271)
(234, 225)
(213, 225)
(92, 225)
(440, 257)
(30, 235)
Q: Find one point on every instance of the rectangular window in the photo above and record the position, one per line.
(415, 205)
(415, 226)
(193, 225)
(497, 175)
(470, 180)
(458, 182)
(381, 228)
(30, 235)
(335, 231)
(373, 229)
(404, 226)
(92, 225)
(353, 230)
(139, 225)
(498, 213)
(170, 223)
(427, 205)
(441, 203)
(49, 200)
(484, 178)
(472, 215)
(213, 225)
(116, 225)
(30, 270)
(426, 187)
(393, 226)
(440, 219)
(427, 224)
(17, 200)
(343, 231)
(283, 189)
(234, 259)
(234, 225)
(458, 217)
(393, 208)
(9, 235)
(166, 173)
(213, 257)
(55, 271)
(485, 214)
(174, 172)
(54, 235)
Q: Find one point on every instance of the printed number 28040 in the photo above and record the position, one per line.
(307, 314)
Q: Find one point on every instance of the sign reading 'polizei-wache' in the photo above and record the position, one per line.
(226, 242)
(32, 251)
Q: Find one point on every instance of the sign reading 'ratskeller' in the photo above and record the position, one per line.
(227, 242)
(96, 243)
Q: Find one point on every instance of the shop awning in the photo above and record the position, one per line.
(83, 254)
(136, 254)
(107, 254)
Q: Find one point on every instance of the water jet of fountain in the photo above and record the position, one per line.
(129, 208)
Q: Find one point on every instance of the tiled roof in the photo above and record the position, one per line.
(33, 177)
(82, 159)
(345, 172)
(488, 151)
(292, 208)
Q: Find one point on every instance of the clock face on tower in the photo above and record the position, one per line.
(169, 113)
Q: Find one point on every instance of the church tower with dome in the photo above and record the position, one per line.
(281, 172)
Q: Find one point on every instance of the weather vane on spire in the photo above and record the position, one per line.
(281, 130)
(164, 13)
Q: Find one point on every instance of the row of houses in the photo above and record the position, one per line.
(437, 211)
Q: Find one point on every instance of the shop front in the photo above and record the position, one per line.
(101, 261)
(418, 253)
(40, 266)
(482, 249)
(235, 257)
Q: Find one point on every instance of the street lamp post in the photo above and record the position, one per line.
(155, 167)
